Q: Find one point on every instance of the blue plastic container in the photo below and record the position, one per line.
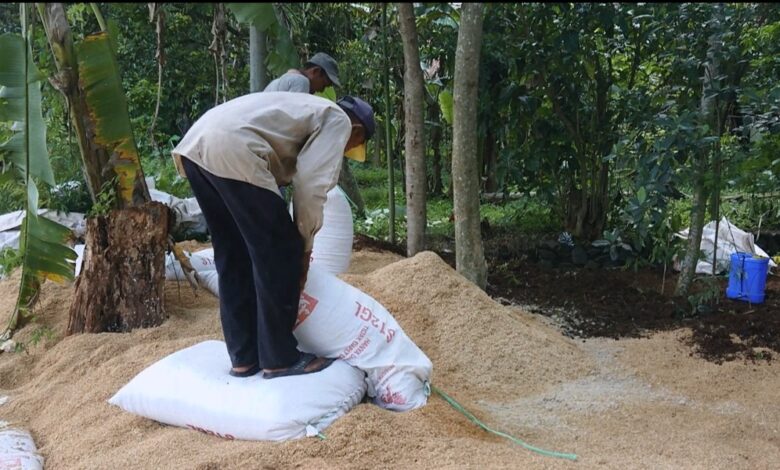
(747, 278)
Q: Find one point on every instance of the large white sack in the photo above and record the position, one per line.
(18, 452)
(332, 247)
(731, 239)
(333, 242)
(191, 388)
(338, 320)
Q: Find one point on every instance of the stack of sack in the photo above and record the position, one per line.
(192, 388)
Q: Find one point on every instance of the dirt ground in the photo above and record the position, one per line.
(645, 400)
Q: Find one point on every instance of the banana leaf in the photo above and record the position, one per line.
(107, 107)
(282, 54)
(42, 241)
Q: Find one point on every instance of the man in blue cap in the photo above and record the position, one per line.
(235, 157)
(320, 72)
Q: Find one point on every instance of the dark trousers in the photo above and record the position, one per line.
(258, 252)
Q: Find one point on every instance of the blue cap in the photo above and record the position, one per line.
(361, 110)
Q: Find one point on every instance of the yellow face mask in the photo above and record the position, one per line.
(357, 153)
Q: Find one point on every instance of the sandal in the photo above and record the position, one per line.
(247, 373)
(299, 368)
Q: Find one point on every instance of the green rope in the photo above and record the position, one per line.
(321, 436)
(472, 418)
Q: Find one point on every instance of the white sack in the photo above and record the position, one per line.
(333, 242)
(18, 452)
(338, 320)
(731, 239)
(191, 388)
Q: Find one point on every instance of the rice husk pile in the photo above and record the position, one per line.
(480, 350)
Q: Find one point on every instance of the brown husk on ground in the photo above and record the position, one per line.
(642, 402)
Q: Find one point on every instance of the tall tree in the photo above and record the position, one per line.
(258, 52)
(414, 104)
(710, 116)
(388, 134)
(469, 254)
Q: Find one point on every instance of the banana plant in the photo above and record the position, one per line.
(264, 16)
(24, 157)
(88, 77)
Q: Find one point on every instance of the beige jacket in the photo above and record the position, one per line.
(272, 139)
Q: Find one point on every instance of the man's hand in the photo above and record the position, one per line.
(304, 269)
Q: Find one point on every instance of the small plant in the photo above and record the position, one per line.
(106, 199)
(42, 332)
(614, 243)
(702, 301)
(10, 259)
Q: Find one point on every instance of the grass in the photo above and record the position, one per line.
(521, 215)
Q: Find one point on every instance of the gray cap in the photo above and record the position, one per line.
(328, 64)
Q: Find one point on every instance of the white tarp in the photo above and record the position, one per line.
(187, 211)
(11, 223)
(731, 239)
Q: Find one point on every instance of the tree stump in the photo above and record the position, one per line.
(123, 273)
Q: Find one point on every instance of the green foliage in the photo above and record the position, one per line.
(105, 200)
(445, 103)
(281, 52)
(10, 259)
(708, 292)
(42, 248)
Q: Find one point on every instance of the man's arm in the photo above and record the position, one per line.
(319, 163)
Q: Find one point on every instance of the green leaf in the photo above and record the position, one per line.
(44, 254)
(107, 107)
(445, 103)
(260, 15)
(641, 195)
(15, 106)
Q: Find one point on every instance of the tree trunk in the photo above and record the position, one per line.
(122, 279)
(490, 158)
(698, 212)
(376, 157)
(350, 187)
(435, 185)
(388, 134)
(469, 254)
(709, 113)
(258, 51)
(414, 107)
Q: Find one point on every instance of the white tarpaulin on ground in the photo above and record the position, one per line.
(187, 211)
(11, 223)
(731, 239)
